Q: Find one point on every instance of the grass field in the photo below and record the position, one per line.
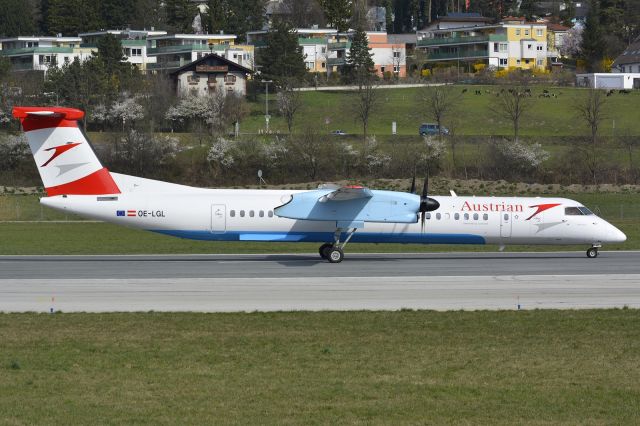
(51, 237)
(548, 117)
(407, 367)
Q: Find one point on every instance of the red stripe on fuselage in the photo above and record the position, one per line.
(97, 183)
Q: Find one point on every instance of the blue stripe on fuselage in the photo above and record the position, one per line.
(323, 237)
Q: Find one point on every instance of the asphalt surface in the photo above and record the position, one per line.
(226, 283)
(310, 265)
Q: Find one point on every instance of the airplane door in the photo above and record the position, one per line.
(506, 224)
(218, 218)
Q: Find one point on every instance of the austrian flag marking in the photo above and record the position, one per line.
(131, 212)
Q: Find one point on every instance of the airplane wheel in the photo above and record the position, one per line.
(592, 252)
(323, 250)
(335, 255)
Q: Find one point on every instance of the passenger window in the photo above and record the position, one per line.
(466, 216)
(428, 216)
(241, 213)
(251, 214)
(456, 216)
(572, 211)
(485, 217)
(270, 213)
(261, 214)
(475, 216)
(447, 216)
(506, 217)
(232, 213)
(438, 216)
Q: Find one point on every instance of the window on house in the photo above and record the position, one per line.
(517, 31)
(526, 61)
(503, 47)
(324, 65)
(503, 62)
(396, 54)
(496, 47)
(193, 79)
(518, 61)
(526, 32)
(539, 48)
(323, 50)
(539, 32)
(540, 62)
(529, 46)
(309, 65)
(396, 68)
(230, 79)
(382, 70)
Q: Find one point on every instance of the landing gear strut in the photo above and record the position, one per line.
(334, 253)
(592, 252)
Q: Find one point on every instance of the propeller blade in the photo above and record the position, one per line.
(413, 184)
(425, 188)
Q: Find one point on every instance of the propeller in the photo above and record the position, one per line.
(427, 204)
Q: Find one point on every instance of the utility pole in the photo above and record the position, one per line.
(266, 104)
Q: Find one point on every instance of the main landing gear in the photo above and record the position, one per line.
(334, 252)
(593, 251)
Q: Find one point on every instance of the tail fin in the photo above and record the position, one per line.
(65, 160)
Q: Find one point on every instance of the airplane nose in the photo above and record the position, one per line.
(616, 235)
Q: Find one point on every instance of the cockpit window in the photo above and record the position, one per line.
(572, 211)
(585, 211)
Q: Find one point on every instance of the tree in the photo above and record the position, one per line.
(303, 13)
(592, 112)
(289, 102)
(180, 14)
(234, 16)
(69, 17)
(592, 38)
(16, 18)
(115, 13)
(360, 64)
(513, 104)
(440, 102)
(366, 102)
(282, 58)
(338, 13)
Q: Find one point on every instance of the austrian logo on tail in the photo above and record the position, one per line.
(59, 150)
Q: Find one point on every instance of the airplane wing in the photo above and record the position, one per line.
(347, 193)
(351, 204)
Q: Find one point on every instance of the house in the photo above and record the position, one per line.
(556, 35)
(511, 43)
(629, 60)
(41, 53)
(388, 57)
(312, 40)
(134, 44)
(172, 51)
(602, 80)
(211, 74)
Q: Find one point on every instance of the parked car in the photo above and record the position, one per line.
(339, 133)
(429, 129)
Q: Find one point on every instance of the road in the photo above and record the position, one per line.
(214, 283)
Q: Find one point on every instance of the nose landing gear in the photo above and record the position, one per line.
(593, 252)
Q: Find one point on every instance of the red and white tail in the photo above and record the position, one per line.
(65, 160)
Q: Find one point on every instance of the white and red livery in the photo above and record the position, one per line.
(76, 182)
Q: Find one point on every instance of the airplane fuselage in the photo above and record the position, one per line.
(248, 215)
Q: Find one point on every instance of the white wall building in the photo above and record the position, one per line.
(41, 53)
(134, 44)
(609, 80)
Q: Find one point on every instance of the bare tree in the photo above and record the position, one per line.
(366, 101)
(289, 102)
(592, 112)
(440, 102)
(513, 104)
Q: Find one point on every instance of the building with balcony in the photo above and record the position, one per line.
(312, 40)
(134, 44)
(388, 57)
(42, 53)
(511, 43)
(629, 60)
(209, 75)
(173, 51)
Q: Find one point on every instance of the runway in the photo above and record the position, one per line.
(227, 283)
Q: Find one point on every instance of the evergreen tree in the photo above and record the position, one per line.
(180, 14)
(234, 16)
(592, 40)
(282, 59)
(216, 18)
(69, 17)
(16, 18)
(359, 61)
(338, 13)
(115, 13)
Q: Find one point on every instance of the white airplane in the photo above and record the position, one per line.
(76, 182)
